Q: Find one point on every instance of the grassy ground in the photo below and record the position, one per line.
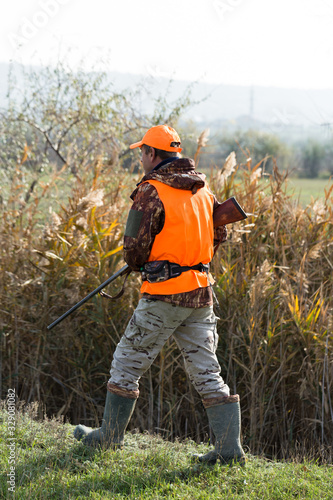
(50, 464)
(305, 188)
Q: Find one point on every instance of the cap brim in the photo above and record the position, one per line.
(136, 145)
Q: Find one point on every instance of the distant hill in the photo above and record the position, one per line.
(277, 110)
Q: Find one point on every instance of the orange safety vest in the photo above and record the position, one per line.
(187, 238)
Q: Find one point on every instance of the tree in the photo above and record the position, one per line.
(312, 156)
(73, 118)
(256, 145)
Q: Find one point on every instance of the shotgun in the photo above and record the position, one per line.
(121, 271)
(227, 212)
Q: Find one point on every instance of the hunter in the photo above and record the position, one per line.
(170, 239)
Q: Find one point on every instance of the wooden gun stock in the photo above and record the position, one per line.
(228, 212)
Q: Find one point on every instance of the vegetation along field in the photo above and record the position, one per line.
(66, 176)
(304, 189)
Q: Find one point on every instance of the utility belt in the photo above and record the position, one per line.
(163, 270)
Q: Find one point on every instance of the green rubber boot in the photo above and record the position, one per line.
(225, 421)
(117, 413)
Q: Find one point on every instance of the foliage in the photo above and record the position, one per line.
(51, 464)
(312, 158)
(66, 117)
(275, 269)
(260, 146)
(275, 289)
(61, 233)
(73, 118)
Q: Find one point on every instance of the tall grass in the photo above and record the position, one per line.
(275, 289)
(274, 284)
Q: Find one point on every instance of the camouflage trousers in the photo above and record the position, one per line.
(153, 322)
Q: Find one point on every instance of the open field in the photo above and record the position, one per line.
(50, 464)
(301, 189)
(305, 188)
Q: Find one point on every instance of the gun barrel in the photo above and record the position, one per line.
(91, 294)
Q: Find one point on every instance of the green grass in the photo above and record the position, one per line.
(50, 464)
(305, 188)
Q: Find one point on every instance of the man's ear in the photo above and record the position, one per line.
(152, 154)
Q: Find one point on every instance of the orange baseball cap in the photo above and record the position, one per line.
(160, 137)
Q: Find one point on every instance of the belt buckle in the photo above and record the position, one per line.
(174, 270)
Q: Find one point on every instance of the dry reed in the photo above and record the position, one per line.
(273, 281)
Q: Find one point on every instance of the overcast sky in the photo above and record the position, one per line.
(283, 43)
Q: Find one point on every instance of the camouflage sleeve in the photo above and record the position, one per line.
(145, 220)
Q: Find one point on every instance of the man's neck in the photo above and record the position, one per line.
(165, 162)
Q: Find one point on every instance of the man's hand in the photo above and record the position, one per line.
(220, 236)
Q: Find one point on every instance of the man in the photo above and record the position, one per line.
(170, 238)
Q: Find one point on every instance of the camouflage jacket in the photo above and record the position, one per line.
(147, 217)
